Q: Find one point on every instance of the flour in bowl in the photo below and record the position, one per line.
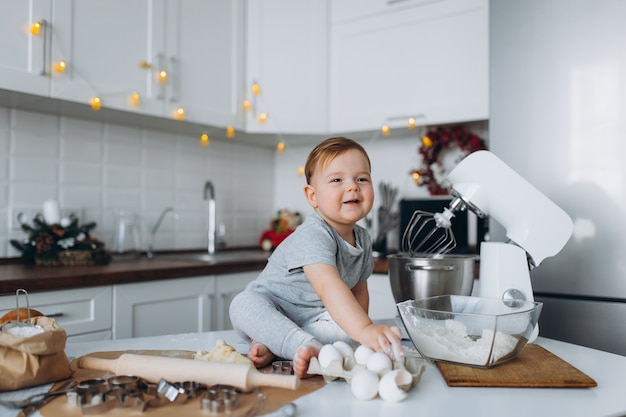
(451, 342)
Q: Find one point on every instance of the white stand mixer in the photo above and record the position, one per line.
(536, 227)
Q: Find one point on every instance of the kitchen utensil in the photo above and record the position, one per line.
(36, 400)
(415, 277)
(27, 328)
(428, 234)
(475, 331)
(126, 240)
(153, 368)
(536, 227)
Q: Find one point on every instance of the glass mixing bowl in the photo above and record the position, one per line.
(474, 331)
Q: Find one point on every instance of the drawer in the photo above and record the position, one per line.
(78, 311)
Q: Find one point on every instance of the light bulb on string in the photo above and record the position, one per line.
(262, 118)
(204, 139)
(427, 142)
(135, 99)
(230, 132)
(96, 103)
(300, 171)
(60, 66)
(256, 89)
(280, 148)
(35, 28)
(179, 114)
(162, 76)
(416, 178)
(385, 130)
(246, 105)
(412, 123)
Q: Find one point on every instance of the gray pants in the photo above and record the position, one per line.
(282, 327)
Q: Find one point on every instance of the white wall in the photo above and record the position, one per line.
(97, 167)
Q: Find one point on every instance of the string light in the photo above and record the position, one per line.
(281, 147)
(256, 90)
(412, 123)
(60, 66)
(35, 28)
(230, 132)
(246, 105)
(204, 140)
(145, 64)
(385, 129)
(162, 76)
(135, 99)
(262, 118)
(416, 178)
(96, 103)
(427, 142)
(300, 171)
(179, 114)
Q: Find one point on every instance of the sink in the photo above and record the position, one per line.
(218, 257)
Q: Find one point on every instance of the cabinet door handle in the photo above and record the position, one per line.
(53, 315)
(45, 29)
(159, 78)
(174, 79)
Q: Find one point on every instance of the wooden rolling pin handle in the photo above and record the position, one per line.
(259, 379)
(98, 364)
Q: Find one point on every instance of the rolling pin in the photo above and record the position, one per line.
(153, 368)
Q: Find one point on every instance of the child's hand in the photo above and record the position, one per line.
(382, 338)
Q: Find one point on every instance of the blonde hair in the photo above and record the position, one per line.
(328, 150)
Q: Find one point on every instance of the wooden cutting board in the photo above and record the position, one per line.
(534, 367)
(277, 397)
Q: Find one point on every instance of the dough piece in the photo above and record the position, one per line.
(222, 352)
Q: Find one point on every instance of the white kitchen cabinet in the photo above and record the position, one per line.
(382, 303)
(84, 313)
(227, 287)
(429, 59)
(286, 54)
(164, 307)
(115, 48)
(24, 56)
(204, 53)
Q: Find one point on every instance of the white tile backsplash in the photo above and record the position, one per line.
(100, 167)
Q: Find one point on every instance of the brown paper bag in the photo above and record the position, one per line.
(34, 360)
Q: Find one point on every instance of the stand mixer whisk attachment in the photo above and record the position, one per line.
(429, 233)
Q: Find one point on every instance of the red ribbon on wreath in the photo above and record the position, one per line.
(433, 143)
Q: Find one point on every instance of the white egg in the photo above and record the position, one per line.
(345, 349)
(388, 388)
(329, 353)
(378, 362)
(364, 385)
(361, 354)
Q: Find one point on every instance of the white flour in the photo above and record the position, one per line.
(24, 331)
(451, 342)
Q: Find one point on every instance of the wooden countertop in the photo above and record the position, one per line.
(14, 275)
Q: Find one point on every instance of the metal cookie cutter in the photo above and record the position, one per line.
(282, 367)
(220, 398)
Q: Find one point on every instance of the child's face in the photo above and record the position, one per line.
(342, 191)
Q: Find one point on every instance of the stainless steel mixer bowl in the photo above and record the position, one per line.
(413, 277)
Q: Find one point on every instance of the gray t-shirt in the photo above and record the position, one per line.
(314, 242)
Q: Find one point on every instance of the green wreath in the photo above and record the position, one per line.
(432, 145)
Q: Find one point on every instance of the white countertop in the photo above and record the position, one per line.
(432, 397)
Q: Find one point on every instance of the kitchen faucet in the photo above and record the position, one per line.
(209, 194)
(150, 252)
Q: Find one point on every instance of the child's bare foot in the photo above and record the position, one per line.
(259, 354)
(303, 357)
